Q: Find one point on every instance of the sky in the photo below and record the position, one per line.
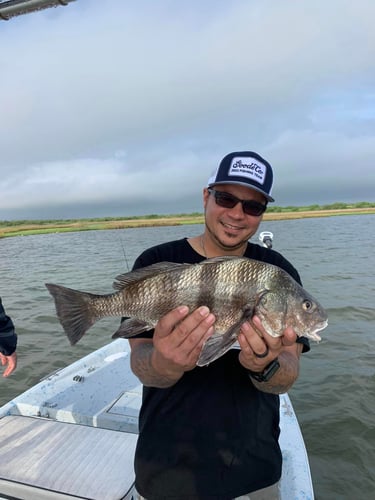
(119, 108)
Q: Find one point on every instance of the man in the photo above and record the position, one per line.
(212, 432)
(8, 343)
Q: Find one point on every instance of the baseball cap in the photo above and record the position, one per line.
(245, 168)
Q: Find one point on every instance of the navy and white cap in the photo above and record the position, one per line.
(245, 168)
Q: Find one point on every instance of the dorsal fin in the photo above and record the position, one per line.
(222, 258)
(123, 280)
(126, 279)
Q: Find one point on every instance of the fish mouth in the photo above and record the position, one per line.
(314, 335)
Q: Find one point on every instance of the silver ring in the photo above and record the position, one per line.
(264, 355)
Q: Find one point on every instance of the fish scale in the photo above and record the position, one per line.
(234, 289)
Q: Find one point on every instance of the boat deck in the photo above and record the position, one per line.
(42, 459)
(73, 435)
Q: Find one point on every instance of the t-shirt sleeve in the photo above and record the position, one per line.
(8, 337)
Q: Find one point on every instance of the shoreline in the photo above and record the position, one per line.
(99, 224)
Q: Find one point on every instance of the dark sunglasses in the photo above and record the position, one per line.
(227, 200)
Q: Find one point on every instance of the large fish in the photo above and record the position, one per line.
(234, 289)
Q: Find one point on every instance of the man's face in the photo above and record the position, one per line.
(231, 227)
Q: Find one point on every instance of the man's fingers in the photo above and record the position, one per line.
(257, 325)
(256, 342)
(201, 317)
(289, 338)
(11, 362)
(181, 335)
(168, 322)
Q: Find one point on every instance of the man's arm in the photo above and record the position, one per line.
(142, 366)
(287, 374)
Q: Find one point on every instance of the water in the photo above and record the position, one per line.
(334, 397)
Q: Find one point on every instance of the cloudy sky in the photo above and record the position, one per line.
(115, 107)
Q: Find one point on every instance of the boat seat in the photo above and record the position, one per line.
(45, 459)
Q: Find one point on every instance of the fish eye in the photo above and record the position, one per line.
(307, 305)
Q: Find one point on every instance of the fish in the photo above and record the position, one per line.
(233, 288)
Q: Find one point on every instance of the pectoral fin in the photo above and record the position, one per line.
(218, 344)
(131, 327)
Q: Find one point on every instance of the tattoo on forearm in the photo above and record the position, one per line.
(142, 367)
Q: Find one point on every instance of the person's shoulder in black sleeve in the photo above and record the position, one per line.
(8, 337)
(172, 251)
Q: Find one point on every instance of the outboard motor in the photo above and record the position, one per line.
(266, 237)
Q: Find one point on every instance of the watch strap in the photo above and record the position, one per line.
(267, 373)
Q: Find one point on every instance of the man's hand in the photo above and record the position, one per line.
(179, 337)
(10, 362)
(175, 347)
(258, 349)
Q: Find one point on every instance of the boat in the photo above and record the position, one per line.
(73, 434)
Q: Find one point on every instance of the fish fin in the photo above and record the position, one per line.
(221, 258)
(123, 280)
(131, 327)
(218, 344)
(214, 347)
(73, 310)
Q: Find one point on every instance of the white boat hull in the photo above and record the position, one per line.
(73, 435)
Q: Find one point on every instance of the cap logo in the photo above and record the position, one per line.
(252, 169)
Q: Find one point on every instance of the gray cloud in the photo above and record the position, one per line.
(128, 109)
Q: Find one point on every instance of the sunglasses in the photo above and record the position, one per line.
(227, 200)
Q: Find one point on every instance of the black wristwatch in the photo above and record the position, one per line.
(267, 373)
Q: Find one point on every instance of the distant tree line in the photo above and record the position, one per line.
(311, 208)
(270, 209)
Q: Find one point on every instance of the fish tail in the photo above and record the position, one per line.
(74, 310)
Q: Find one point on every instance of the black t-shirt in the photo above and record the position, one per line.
(212, 434)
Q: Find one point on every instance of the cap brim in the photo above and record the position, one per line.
(211, 183)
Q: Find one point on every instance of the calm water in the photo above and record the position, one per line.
(335, 395)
